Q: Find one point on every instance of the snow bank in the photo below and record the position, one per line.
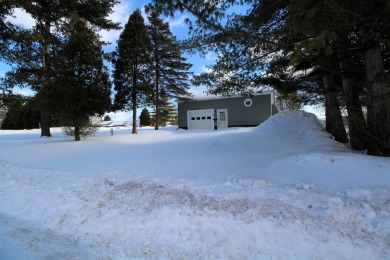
(283, 189)
(290, 121)
(303, 130)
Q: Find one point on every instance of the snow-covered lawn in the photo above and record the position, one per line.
(281, 190)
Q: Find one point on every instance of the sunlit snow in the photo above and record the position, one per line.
(281, 190)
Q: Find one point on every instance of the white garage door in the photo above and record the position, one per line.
(200, 119)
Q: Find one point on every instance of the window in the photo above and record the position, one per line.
(248, 102)
(209, 117)
(198, 118)
(222, 116)
(192, 118)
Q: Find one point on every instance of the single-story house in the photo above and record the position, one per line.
(115, 123)
(222, 112)
(105, 123)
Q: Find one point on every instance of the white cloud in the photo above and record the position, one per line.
(211, 56)
(205, 69)
(179, 22)
(120, 116)
(23, 91)
(198, 92)
(110, 36)
(144, 15)
(120, 14)
(21, 18)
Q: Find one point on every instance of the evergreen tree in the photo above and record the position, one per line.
(5, 93)
(326, 33)
(131, 64)
(170, 69)
(13, 116)
(81, 87)
(144, 118)
(30, 114)
(6, 29)
(336, 37)
(168, 112)
(107, 118)
(49, 14)
(22, 113)
(374, 37)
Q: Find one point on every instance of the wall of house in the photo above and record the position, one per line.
(238, 113)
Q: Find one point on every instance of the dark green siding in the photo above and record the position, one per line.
(238, 113)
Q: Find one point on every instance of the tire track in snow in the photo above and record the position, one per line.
(316, 212)
(104, 217)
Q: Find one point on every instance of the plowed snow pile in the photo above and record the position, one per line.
(283, 189)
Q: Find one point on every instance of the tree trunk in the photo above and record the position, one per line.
(134, 104)
(45, 116)
(77, 133)
(356, 122)
(378, 108)
(45, 124)
(157, 98)
(334, 120)
(378, 88)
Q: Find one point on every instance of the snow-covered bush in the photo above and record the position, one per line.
(89, 128)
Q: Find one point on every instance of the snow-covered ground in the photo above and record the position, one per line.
(281, 190)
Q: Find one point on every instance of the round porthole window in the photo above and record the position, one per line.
(248, 102)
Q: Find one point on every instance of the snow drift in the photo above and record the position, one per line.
(283, 189)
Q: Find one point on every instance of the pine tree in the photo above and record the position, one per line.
(131, 67)
(168, 112)
(349, 33)
(170, 69)
(81, 87)
(13, 116)
(144, 118)
(6, 29)
(49, 14)
(374, 38)
(22, 113)
(327, 34)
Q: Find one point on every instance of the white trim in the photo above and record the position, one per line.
(246, 104)
(272, 102)
(227, 97)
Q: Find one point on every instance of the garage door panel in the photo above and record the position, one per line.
(200, 119)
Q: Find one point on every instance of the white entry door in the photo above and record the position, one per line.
(222, 118)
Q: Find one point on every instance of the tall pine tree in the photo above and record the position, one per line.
(170, 69)
(326, 33)
(6, 31)
(49, 14)
(350, 33)
(81, 87)
(131, 64)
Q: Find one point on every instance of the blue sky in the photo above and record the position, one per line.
(121, 14)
